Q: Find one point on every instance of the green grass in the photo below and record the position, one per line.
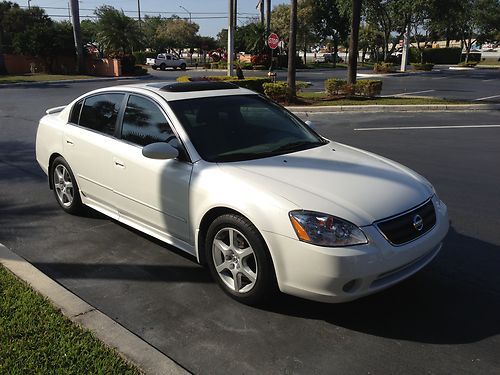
(39, 78)
(319, 99)
(37, 339)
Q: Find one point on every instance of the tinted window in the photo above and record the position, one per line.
(75, 112)
(242, 127)
(100, 112)
(144, 123)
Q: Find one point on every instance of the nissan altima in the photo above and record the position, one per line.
(243, 185)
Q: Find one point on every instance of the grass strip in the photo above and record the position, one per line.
(35, 338)
(27, 78)
(320, 99)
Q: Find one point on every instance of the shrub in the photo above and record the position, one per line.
(259, 67)
(473, 56)
(441, 55)
(276, 91)
(128, 64)
(334, 86)
(140, 56)
(139, 71)
(368, 87)
(426, 66)
(260, 59)
(383, 67)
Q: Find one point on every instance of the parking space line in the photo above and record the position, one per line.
(488, 80)
(487, 97)
(440, 77)
(414, 92)
(428, 127)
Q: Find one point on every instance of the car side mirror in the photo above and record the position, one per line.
(160, 151)
(311, 124)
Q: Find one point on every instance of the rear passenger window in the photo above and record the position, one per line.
(144, 122)
(100, 112)
(75, 112)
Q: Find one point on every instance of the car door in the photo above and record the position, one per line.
(88, 139)
(149, 192)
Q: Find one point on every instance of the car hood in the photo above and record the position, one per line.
(337, 179)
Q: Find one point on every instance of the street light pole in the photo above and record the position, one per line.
(187, 11)
(230, 39)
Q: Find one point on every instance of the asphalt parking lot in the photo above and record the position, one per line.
(443, 320)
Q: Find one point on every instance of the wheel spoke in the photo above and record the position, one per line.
(221, 267)
(59, 173)
(249, 274)
(232, 236)
(222, 247)
(69, 185)
(243, 253)
(237, 281)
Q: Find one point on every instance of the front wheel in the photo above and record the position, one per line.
(65, 187)
(239, 260)
(163, 66)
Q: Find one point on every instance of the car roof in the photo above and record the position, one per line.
(172, 90)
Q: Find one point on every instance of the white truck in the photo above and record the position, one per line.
(166, 60)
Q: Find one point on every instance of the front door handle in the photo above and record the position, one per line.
(118, 163)
(69, 141)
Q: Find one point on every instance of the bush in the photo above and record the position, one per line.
(140, 56)
(252, 83)
(276, 91)
(368, 87)
(383, 67)
(470, 64)
(334, 86)
(442, 55)
(426, 66)
(259, 67)
(282, 61)
(365, 87)
(128, 65)
(473, 56)
(260, 59)
(139, 71)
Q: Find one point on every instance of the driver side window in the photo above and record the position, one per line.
(144, 122)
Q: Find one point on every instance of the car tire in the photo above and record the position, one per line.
(154, 67)
(239, 260)
(163, 66)
(65, 187)
(183, 66)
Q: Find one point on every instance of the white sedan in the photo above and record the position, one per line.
(244, 186)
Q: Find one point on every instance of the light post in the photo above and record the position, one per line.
(187, 11)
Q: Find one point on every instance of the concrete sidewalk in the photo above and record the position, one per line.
(127, 344)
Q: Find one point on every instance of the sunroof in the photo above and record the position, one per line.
(198, 86)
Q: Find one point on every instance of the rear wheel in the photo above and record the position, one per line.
(239, 260)
(65, 187)
(183, 66)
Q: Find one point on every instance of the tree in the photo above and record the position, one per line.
(118, 34)
(291, 92)
(178, 33)
(250, 38)
(330, 21)
(353, 42)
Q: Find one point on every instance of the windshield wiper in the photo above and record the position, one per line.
(295, 146)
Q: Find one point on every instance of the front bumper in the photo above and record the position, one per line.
(343, 274)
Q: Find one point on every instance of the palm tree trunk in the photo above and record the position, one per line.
(292, 47)
(353, 42)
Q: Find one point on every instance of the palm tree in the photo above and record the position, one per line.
(117, 34)
(353, 42)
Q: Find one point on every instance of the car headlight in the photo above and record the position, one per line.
(325, 230)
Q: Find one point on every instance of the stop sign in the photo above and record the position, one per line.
(273, 40)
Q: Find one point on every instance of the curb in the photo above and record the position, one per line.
(127, 344)
(20, 84)
(395, 108)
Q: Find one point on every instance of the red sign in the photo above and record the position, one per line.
(273, 40)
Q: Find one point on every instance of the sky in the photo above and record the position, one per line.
(211, 15)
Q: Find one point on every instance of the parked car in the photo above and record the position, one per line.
(166, 60)
(244, 186)
(329, 57)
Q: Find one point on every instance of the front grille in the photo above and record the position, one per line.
(401, 229)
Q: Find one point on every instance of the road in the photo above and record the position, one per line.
(443, 320)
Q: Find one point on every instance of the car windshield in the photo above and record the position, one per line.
(242, 127)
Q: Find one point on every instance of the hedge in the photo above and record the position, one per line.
(252, 83)
(473, 56)
(140, 56)
(278, 90)
(442, 55)
(426, 66)
(364, 87)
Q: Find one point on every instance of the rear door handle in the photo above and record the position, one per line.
(69, 141)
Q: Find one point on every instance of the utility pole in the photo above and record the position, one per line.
(230, 39)
(292, 46)
(406, 42)
(29, 4)
(268, 17)
(139, 11)
(75, 20)
(235, 10)
(353, 42)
